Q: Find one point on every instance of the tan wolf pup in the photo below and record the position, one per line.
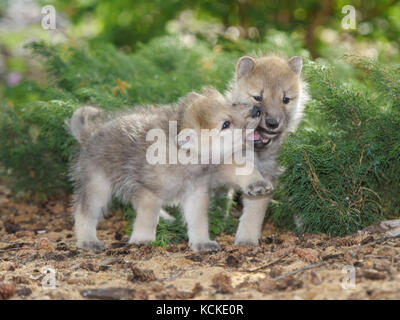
(273, 85)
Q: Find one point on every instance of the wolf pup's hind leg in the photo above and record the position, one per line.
(90, 205)
(147, 206)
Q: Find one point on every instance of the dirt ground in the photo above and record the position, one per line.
(39, 260)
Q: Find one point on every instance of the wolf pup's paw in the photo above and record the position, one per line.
(258, 188)
(205, 246)
(247, 242)
(141, 239)
(95, 246)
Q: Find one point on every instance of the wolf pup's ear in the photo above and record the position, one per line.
(296, 63)
(244, 66)
(211, 92)
(190, 98)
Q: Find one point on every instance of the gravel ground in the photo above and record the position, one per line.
(39, 260)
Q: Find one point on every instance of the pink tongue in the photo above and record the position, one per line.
(256, 136)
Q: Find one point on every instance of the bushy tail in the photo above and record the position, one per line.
(84, 122)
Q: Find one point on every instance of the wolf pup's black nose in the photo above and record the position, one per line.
(272, 123)
(255, 113)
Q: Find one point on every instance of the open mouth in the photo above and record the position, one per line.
(261, 137)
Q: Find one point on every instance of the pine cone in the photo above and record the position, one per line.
(7, 290)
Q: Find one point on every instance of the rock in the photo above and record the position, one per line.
(53, 236)
(222, 283)
(109, 293)
(310, 255)
(25, 233)
(7, 290)
(108, 261)
(89, 266)
(266, 285)
(45, 244)
(233, 261)
(105, 264)
(373, 274)
(11, 227)
(116, 245)
(24, 292)
(141, 275)
(62, 247)
(390, 228)
(54, 256)
(367, 240)
(289, 282)
(275, 272)
(194, 257)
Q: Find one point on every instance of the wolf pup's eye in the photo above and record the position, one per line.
(286, 100)
(258, 98)
(226, 125)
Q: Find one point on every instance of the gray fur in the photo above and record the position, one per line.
(83, 122)
(112, 162)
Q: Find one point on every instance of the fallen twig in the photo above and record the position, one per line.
(379, 240)
(311, 266)
(267, 264)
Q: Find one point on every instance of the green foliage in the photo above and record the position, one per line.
(128, 23)
(34, 146)
(341, 174)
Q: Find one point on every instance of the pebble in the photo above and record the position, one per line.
(25, 233)
(44, 244)
(372, 274)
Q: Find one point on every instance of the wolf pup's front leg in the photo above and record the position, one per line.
(252, 183)
(251, 221)
(195, 210)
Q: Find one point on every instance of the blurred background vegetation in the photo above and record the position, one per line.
(118, 53)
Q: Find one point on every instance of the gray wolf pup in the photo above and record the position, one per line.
(112, 162)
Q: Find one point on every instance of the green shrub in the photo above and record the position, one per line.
(342, 172)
